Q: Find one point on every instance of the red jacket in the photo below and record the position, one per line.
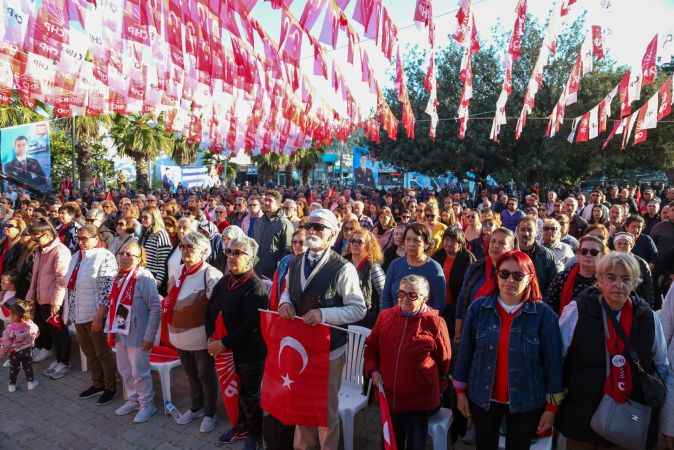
(412, 354)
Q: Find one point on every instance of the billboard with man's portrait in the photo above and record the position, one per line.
(25, 154)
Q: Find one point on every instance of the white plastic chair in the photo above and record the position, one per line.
(544, 443)
(164, 368)
(351, 398)
(438, 428)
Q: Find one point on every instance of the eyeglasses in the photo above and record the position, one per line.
(297, 242)
(591, 251)
(517, 276)
(234, 252)
(184, 247)
(550, 228)
(130, 255)
(357, 241)
(121, 224)
(402, 295)
(430, 216)
(10, 225)
(315, 226)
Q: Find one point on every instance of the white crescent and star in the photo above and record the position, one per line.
(289, 341)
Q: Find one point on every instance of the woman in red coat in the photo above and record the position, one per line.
(408, 352)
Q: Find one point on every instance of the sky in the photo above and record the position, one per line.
(629, 27)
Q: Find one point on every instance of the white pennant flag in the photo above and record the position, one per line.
(651, 117)
(572, 136)
(594, 122)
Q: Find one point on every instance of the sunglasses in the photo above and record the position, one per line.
(314, 226)
(234, 252)
(121, 224)
(590, 251)
(402, 295)
(505, 274)
(10, 225)
(550, 228)
(130, 255)
(357, 241)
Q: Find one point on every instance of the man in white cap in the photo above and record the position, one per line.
(321, 286)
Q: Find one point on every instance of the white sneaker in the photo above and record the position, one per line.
(32, 384)
(189, 416)
(127, 408)
(144, 414)
(6, 363)
(59, 371)
(42, 354)
(11, 388)
(48, 371)
(207, 424)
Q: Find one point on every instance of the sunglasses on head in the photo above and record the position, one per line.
(314, 226)
(234, 252)
(505, 274)
(591, 251)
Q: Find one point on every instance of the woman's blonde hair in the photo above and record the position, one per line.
(374, 253)
(157, 221)
(143, 256)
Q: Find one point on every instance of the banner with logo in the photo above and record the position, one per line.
(25, 152)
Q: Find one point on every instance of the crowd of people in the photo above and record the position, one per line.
(525, 315)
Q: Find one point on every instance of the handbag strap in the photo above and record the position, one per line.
(604, 321)
(631, 354)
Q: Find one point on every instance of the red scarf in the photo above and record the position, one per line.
(567, 288)
(618, 385)
(489, 284)
(169, 303)
(122, 292)
(447, 269)
(62, 232)
(73, 276)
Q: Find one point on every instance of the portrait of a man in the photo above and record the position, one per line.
(24, 168)
(363, 174)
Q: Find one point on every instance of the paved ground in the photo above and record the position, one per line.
(52, 417)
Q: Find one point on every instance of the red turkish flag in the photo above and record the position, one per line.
(597, 42)
(388, 433)
(296, 371)
(330, 31)
(648, 68)
(312, 9)
(665, 108)
(423, 13)
(227, 376)
(291, 40)
(583, 133)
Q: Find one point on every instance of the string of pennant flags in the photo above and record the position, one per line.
(216, 75)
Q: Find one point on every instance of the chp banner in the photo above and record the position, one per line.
(296, 371)
(26, 154)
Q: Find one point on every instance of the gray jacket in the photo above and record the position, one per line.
(275, 238)
(145, 313)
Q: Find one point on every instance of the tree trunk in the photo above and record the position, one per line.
(84, 167)
(305, 176)
(143, 174)
(289, 174)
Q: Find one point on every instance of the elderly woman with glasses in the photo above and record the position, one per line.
(408, 356)
(90, 276)
(184, 308)
(573, 280)
(509, 365)
(612, 303)
(133, 316)
(624, 243)
(235, 301)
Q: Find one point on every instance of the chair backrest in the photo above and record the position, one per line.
(355, 355)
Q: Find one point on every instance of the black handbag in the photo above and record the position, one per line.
(652, 386)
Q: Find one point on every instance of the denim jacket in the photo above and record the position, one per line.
(534, 361)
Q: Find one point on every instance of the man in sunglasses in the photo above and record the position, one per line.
(321, 286)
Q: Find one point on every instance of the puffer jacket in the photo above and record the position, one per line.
(48, 283)
(412, 354)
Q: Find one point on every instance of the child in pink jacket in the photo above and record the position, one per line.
(17, 341)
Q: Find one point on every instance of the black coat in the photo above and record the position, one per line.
(462, 261)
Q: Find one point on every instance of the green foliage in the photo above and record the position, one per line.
(534, 157)
(268, 164)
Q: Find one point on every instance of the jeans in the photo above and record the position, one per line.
(100, 361)
(200, 370)
(521, 427)
(250, 379)
(411, 429)
(133, 364)
(51, 337)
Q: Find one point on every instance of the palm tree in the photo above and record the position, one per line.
(306, 159)
(269, 164)
(183, 151)
(86, 133)
(16, 113)
(141, 138)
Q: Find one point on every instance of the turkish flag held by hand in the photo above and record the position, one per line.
(227, 376)
(388, 433)
(296, 371)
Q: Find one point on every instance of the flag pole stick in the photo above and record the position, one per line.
(322, 323)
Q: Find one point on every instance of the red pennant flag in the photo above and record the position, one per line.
(583, 133)
(665, 92)
(597, 42)
(388, 433)
(330, 31)
(640, 131)
(623, 92)
(648, 67)
(312, 9)
(295, 382)
(291, 40)
(423, 13)
(515, 47)
(227, 376)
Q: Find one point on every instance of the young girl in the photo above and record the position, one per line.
(17, 341)
(7, 296)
